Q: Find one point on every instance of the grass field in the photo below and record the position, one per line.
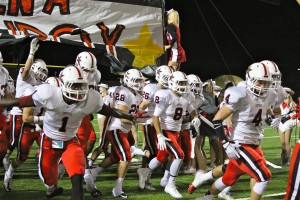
(27, 185)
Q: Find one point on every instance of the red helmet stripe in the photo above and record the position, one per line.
(275, 66)
(92, 59)
(79, 73)
(265, 70)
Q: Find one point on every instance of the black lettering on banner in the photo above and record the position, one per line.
(64, 6)
(57, 31)
(25, 7)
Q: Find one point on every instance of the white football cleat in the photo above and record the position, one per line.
(143, 176)
(7, 183)
(120, 194)
(150, 187)
(224, 195)
(172, 190)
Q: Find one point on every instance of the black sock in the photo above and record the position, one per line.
(77, 187)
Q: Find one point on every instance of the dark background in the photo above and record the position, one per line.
(267, 29)
(219, 37)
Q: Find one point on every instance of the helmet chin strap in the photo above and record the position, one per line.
(69, 101)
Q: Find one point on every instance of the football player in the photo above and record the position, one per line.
(86, 134)
(170, 107)
(249, 106)
(32, 119)
(34, 73)
(161, 75)
(88, 63)
(127, 99)
(188, 134)
(103, 141)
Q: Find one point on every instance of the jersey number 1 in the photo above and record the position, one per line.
(64, 124)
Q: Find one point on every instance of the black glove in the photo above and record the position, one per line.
(285, 118)
(194, 132)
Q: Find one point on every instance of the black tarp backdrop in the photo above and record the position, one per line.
(267, 31)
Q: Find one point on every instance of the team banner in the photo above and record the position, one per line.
(129, 30)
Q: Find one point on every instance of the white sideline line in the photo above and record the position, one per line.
(269, 195)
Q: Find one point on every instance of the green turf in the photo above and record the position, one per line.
(27, 185)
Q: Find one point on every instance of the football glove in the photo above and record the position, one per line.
(231, 150)
(161, 144)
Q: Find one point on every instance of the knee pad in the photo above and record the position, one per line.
(224, 167)
(260, 187)
(220, 185)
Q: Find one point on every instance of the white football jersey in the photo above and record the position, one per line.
(61, 120)
(4, 75)
(109, 100)
(148, 95)
(123, 96)
(280, 97)
(38, 110)
(249, 113)
(170, 108)
(22, 85)
(196, 101)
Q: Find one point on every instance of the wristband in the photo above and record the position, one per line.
(41, 118)
(90, 163)
(36, 119)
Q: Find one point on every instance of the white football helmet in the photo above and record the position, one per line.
(178, 82)
(53, 81)
(40, 70)
(134, 79)
(87, 62)
(74, 84)
(162, 75)
(275, 73)
(258, 79)
(195, 84)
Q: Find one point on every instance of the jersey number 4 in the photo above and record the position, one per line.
(257, 118)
